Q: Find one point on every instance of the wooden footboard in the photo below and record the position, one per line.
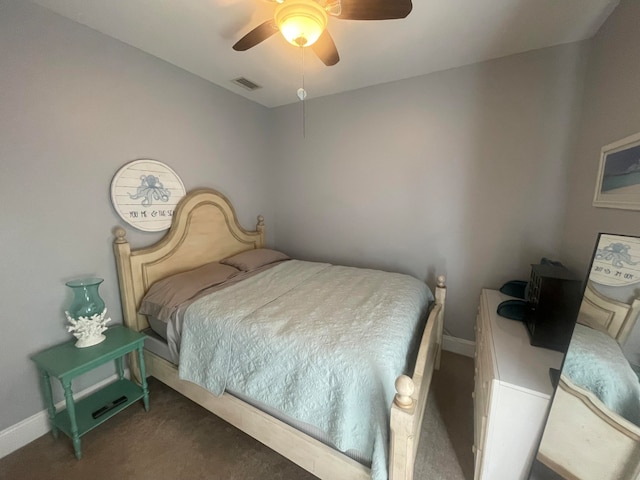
(407, 411)
(585, 440)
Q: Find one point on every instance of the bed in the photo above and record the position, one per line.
(593, 428)
(204, 230)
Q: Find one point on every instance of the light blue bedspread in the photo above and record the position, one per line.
(321, 343)
(595, 361)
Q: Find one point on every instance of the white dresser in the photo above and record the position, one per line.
(511, 394)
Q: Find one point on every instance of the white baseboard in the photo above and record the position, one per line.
(26, 431)
(459, 346)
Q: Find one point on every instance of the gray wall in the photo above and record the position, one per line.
(75, 106)
(461, 173)
(611, 111)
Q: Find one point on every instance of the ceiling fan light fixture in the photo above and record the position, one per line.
(301, 22)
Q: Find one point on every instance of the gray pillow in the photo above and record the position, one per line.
(250, 260)
(165, 295)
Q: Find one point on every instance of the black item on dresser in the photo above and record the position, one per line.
(553, 301)
(515, 288)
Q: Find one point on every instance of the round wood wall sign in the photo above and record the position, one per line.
(616, 261)
(145, 193)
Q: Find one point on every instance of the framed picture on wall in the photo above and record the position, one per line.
(618, 183)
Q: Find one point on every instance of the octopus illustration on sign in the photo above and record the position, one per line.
(617, 253)
(151, 189)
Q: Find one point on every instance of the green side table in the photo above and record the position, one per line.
(65, 362)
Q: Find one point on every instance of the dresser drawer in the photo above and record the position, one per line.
(486, 375)
(484, 369)
(479, 426)
(477, 458)
(482, 380)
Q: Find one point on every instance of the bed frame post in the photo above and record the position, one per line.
(260, 230)
(122, 251)
(441, 293)
(125, 278)
(409, 404)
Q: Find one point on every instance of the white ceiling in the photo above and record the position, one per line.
(197, 36)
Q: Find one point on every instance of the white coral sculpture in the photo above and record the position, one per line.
(88, 330)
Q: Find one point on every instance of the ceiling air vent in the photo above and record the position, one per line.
(246, 83)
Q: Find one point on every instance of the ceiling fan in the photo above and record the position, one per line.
(304, 22)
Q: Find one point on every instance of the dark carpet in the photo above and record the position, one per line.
(178, 439)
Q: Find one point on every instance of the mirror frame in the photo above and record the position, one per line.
(584, 437)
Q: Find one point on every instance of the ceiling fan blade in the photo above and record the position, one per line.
(326, 50)
(257, 35)
(374, 9)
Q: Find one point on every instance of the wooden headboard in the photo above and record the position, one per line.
(204, 229)
(599, 311)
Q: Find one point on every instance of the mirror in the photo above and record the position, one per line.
(593, 427)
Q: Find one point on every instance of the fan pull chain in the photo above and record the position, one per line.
(302, 94)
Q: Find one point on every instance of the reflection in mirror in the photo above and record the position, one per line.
(593, 428)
